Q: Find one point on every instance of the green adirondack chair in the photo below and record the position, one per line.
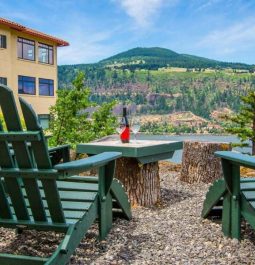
(232, 198)
(36, 195)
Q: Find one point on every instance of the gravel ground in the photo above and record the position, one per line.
(171, 233)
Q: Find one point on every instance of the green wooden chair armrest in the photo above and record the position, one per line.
(59, 147)
(81, 165)
(237, 158)
(58, 153)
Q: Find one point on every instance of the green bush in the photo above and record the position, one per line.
(70, 124)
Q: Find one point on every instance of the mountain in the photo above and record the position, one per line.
(143, 54)
(142, 59)
(126, 77)
(154, 58)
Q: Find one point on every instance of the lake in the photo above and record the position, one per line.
(210, 138)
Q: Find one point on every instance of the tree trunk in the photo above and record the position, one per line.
(141, 182)
(199, 163)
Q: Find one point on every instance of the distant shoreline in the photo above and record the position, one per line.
(187, 134)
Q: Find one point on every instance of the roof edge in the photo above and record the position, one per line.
(19, 27)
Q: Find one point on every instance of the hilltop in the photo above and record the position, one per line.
(156, 57)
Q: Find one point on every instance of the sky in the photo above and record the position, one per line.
(96, 29)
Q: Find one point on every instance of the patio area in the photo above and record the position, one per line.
(170, 233)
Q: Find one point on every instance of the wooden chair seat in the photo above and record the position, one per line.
(76, 198)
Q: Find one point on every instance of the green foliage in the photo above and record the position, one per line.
(71, 124)
(3, 125)
(102, 121)
(162, 128)
(243, 123)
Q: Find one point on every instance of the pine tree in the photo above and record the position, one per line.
(243, 123)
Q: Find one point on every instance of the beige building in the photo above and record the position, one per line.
(28, 65)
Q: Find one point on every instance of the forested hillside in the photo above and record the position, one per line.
(167, 89)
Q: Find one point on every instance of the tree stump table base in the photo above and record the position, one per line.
(138, 168)
(141, 181)
(199, 163)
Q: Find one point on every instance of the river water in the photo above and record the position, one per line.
(210, 138)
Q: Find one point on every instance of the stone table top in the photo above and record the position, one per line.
(144, 150)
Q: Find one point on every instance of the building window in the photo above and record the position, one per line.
(44, 120)
(45, 53)
(3, 41)
(26, 49)
(46, 87)
(26, 85)
(3, 81)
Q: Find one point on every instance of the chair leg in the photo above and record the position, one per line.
(235, 203)
(226, 215)
(235, 219)
(105, 216)
(231, 217)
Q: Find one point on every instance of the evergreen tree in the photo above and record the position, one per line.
(70, 122)
(243, 123)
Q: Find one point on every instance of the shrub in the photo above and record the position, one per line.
(71, 124)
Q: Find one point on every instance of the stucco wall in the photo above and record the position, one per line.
(11, 66)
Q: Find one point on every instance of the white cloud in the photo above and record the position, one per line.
(143, 11)
(238, 37)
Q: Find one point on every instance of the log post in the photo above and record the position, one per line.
(199, 163)
(141, 182)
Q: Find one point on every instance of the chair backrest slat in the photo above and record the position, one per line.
(5, 157)
(5, 161)
(53, 200)
(17, 198)
(35, 199)
(5, 210)
(12, 121)
(40, 148)
(41, 155)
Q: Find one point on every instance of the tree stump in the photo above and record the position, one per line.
(199, 163)
(141, 182)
